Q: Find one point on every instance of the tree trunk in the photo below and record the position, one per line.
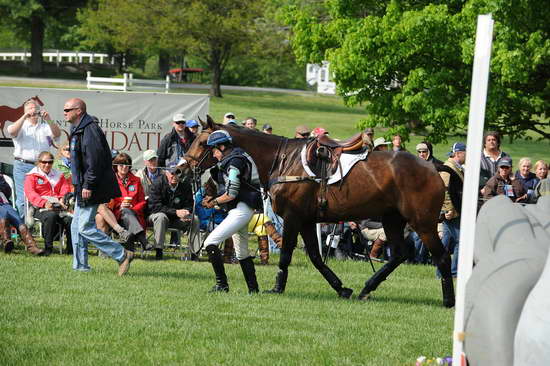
(37, 44)
(164, 63)
(215, 66)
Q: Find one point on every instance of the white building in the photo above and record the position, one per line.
(320, 75)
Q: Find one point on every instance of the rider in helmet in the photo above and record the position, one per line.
(241, 197)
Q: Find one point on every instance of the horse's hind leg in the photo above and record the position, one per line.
(442, 259)
(310, 240)
(394, 226)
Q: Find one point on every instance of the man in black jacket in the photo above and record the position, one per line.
(174, 145)
(171, 205)
(95, 183)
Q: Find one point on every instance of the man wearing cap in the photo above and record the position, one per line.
(174, 145)
(501, 183)
(193, 126)
(451, 221)
(424, 150)
(380, 144)
(302, 132)
(267, 128)
(150, 173)
(171, 203)
(229, 118)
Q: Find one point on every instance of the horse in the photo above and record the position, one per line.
(13, 114)
(396, 186)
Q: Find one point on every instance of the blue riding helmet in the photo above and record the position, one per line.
(219, 137)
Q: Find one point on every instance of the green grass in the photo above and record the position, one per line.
(161, 313)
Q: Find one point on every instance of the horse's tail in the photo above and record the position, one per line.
(455, 185)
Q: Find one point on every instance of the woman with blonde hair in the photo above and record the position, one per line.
(63, 160)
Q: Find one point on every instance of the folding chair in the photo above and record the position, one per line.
(31, 221)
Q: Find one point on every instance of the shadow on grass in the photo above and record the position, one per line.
(176, 275)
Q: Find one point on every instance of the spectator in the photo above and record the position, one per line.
(527, 178)
(250, 122)
(368, 138)
(171, 204)
(9, 217)
(175, 144)
(95, 183)
(397, 143)
(150, 173)
(372, 230)
(229, 118)
(302, 132)
(490, 157)
(451, 219)
(193, 126)
(129, 208)
(33, 133)
(501, 183)
(541, 170)
(318, 131)
(63, 161)
(380, 144)
(45, 189)
(543, 182)
(267, 128)
(257, 226)
(369, 131)
(241, 197)
(427, 150)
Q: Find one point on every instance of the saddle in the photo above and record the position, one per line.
(323, 158)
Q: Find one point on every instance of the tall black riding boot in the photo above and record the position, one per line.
(215, 257)
(280, 283)
(247, 265)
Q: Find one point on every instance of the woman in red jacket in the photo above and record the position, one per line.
(129, 209)
(45, 188)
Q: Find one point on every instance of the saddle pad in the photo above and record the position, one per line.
(346, 160)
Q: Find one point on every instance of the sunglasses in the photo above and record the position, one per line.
(180, 122)
(504, 167)
(69, 109)
(46, 161)
(304, 134)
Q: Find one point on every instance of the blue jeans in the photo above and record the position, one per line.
(84, 230)
(20, 170)
(420, 251)
(451, 236)
(277, 222)
(9, 213)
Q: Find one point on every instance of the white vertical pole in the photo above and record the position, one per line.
(125, 85)
(476, 120)
(319, 238)
(167, 84)
(57, 58)
(88, 77)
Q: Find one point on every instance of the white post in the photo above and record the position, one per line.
(125, 81)
(476, 120)
(319, 238)
(131, 83)
(92, 58)
(57, 58)
(88, 77)
(77, 57)
(167, 84)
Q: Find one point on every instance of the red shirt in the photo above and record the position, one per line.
(37, 185)
(132, 188)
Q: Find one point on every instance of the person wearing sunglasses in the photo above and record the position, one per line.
(45, 188)
(302, 132)
(33, 133)
(175, 144)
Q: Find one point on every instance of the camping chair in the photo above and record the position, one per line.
(31, 222)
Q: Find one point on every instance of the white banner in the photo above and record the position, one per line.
(133, 122)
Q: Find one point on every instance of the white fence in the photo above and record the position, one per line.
(320, 75)
(60, 56)
(126, 83)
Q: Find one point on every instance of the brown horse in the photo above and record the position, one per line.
(13, 114)
(398, 187)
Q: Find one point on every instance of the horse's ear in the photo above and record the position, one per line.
(203, 124)
(210, 123)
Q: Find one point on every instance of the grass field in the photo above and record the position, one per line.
(161, 313)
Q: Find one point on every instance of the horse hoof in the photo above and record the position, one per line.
(345, 293)
(449, 303)
(273, 291)
(363, 297)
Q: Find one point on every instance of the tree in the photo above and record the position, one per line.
(410, 62)
(30, 18)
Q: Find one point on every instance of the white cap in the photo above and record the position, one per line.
(178, 117)
(229, 114)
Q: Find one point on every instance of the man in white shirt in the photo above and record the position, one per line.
(33, 133)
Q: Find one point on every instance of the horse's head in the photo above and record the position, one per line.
(199, 156)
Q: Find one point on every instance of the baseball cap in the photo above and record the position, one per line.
(191, 123)
(267, 126)
(302, 130)
(149, 154)
(380, 141)
(229, 114)
(422, 147)
(178, 117)
(369, 130)
(458, 146)
(506, 161)
(318, 131)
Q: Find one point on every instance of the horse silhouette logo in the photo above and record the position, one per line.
(13, 114)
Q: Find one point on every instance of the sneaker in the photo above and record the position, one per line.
(124, 266)
(124, 235)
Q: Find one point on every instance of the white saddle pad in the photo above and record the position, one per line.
(346, 160)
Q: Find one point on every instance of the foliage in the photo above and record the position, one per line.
(409, 62)
(161, 313)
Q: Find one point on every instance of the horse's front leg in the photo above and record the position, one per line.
(310, 240)
(290, 236)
